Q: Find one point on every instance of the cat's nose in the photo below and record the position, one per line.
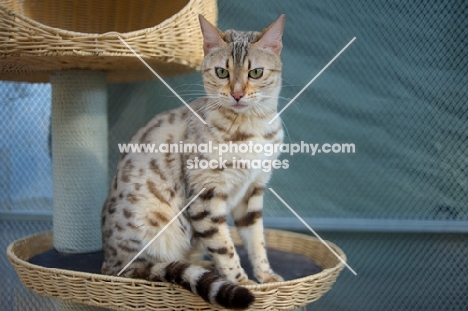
(237, 95)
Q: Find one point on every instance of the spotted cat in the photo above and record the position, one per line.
(242, 79)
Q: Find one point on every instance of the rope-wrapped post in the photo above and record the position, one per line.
(79, 158)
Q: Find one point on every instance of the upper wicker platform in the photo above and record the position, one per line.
(40, 36)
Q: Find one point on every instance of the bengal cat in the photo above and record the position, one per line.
(242, 79)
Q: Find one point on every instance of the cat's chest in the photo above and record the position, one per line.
(246, 143)
(255, 148)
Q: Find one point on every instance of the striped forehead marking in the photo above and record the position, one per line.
(239, 42)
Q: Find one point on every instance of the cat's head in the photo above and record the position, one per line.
(242, 70)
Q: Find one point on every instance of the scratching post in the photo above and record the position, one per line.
(79, 153)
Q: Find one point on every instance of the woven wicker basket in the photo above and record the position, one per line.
(39, 36)
(131, 294)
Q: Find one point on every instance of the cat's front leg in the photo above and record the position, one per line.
(249, 223)
(208, 217)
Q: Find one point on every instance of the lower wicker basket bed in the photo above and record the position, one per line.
(131, 294)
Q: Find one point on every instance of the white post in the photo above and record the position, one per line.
(79, 158)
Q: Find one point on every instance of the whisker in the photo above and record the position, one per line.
(286, 129)
(277, 97)
(289, 84)
(273, 111)
(188, 85)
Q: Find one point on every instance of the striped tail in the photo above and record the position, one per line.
(200, 281)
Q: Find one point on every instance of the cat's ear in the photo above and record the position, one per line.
(270, 38)
(212, 36)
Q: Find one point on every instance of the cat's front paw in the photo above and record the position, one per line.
(247, 282)
(268, 277)
(207, 264)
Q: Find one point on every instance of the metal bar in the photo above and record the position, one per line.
(322, 224)
(369, 225)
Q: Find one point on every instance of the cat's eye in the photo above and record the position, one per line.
(256, 73)
(222, 73)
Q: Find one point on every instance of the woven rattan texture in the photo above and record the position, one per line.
(131, 294)
(32, 45)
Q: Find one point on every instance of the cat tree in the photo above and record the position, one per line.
(74, 45)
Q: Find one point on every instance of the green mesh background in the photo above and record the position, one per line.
(398, 207)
